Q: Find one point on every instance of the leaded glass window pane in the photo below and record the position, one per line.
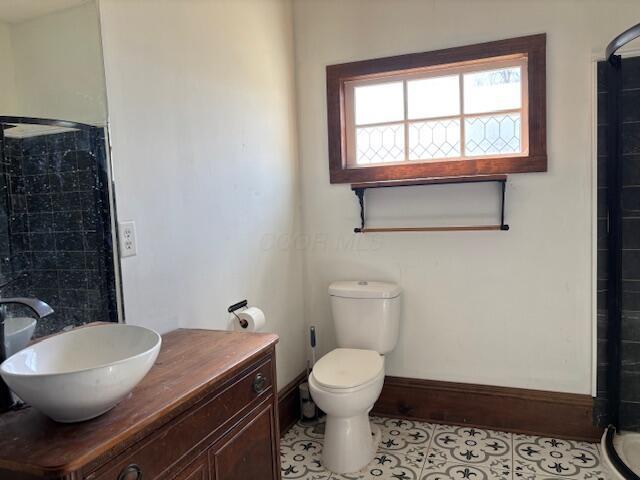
(492, 134)
(436, 139)
(380, 144)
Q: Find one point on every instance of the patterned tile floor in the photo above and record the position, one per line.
(421, 451)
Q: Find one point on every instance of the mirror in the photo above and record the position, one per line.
(57, 228)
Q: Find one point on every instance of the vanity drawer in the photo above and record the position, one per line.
(196, 429)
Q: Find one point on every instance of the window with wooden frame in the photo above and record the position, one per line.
(473, 110)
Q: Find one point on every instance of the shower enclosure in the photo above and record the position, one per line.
(56, 231)
(619, 257)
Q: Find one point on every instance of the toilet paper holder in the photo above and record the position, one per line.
(238, 306)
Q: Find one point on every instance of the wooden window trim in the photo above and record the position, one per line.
(535, 160)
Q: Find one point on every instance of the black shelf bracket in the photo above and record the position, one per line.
(360, 194)
(503, 188)
(361, 188)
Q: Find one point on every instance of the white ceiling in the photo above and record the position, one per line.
(15, 11)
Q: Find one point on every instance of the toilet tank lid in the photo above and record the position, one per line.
(364, 289)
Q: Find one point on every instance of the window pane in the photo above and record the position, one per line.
(492, 90)
(434, 97)
(379, 103)
(492, 134)
(380, 144)
(437, 139)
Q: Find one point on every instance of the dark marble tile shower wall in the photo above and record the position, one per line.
(630, 374)
(59, 226)
(5, 246)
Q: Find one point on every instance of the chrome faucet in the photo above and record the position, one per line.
(41, 309)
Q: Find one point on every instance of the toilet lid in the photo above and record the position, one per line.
(347, 368)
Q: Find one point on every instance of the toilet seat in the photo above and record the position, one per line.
(348, 368)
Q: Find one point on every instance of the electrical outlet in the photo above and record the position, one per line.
(127, 237)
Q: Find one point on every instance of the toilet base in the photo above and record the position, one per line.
(349, 444)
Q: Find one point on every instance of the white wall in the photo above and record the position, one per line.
(7, 78)
(511, 309)
(202, 112)
(58, 66)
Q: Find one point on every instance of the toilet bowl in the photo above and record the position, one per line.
(345, 384)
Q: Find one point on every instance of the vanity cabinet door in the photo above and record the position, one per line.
(197, 470)
(250, 451)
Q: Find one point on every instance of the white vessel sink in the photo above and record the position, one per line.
(17, 333)
(83, 373)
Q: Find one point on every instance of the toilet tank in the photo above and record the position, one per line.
(366, 315)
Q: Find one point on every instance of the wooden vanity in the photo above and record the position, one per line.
(207, 410)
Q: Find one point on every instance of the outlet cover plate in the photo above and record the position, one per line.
(127, 239)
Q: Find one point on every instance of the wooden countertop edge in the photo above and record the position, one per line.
(151, 423)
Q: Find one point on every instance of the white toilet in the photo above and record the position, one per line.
(347, 381)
